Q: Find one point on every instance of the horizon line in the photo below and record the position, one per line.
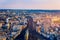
(26, 9)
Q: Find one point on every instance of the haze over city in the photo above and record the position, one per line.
(29, 19)
(30, 4)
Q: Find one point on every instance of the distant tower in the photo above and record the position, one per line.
(7, 20)
(42, 28)
(8, 24)
(30, 22)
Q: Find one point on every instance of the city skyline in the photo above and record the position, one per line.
(30, 4)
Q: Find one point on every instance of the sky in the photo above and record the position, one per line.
(30, 4)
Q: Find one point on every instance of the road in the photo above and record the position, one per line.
(33, 35)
